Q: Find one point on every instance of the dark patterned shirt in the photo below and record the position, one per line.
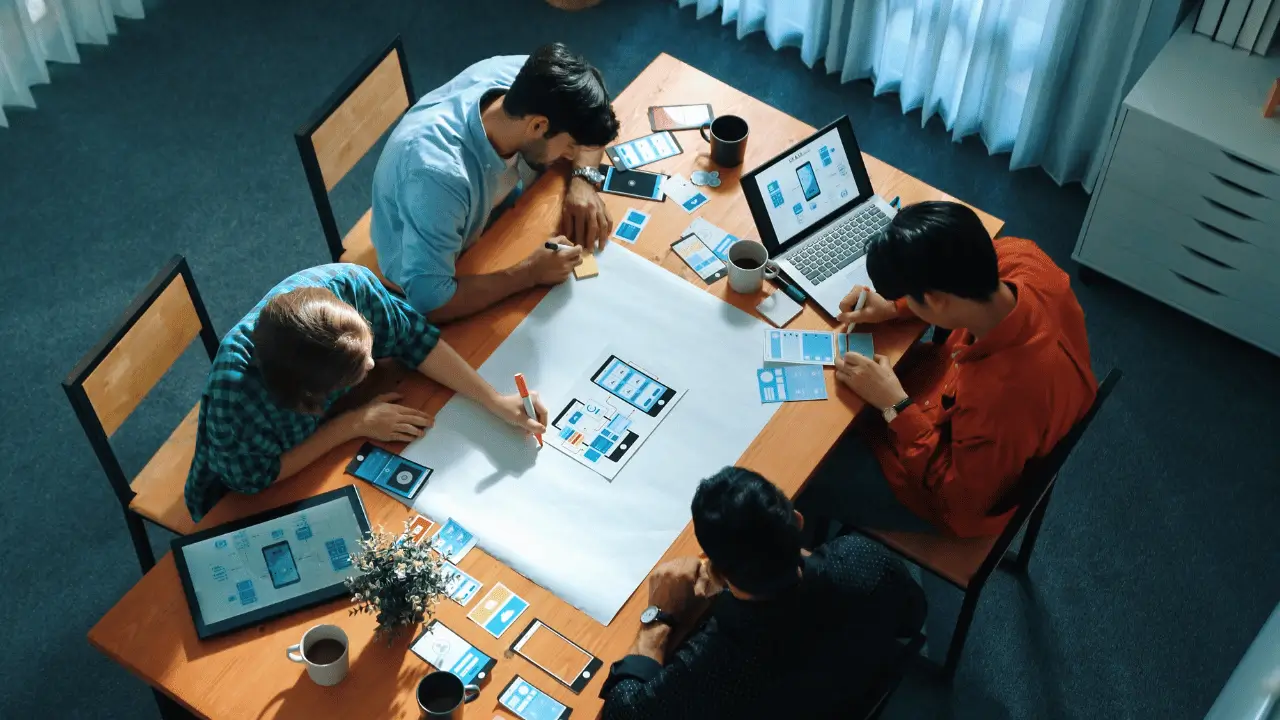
(809, 653)
(243, 432)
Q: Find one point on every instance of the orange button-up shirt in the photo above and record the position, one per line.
(983, 408)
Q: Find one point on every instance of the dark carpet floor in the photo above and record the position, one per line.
(1157, 563)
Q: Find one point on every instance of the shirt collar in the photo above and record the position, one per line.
(732, 612)
(479, 140)
(1017, 328)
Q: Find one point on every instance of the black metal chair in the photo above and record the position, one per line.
(109, 382)
(883, 688)
(341, 131)
(968, 563)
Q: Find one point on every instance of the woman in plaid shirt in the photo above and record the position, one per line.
(280, 369)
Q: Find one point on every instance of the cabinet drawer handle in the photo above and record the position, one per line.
(1226, 209)
(1221, 233)
(1211, 260)
(1247, 163)
(1236, 186)
(1193, 283)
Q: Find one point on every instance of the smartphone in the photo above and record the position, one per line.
(388, 471)
(642, 151)
(679, 117)
(633, 386)
(579, 427)
(808, 181)
(530, 703)
(445, 650)
(698, 256)
(280, 564)
(557, 655)
(633, 183)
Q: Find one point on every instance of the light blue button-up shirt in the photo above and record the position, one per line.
(434, 187)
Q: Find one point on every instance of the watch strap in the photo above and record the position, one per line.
(902, 404)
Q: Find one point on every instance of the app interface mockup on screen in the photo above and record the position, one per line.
(529, 702)
(647, 149)
(630, 384)
(274, 561)
(802, 189)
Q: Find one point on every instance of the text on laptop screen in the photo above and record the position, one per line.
(806, 187)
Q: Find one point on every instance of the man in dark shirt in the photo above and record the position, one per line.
(790, 634)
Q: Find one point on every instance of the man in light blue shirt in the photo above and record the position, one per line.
(465, 151)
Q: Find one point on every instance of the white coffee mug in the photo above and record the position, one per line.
(329, 670)
(749, 265)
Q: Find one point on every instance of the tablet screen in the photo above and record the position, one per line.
(274, 561)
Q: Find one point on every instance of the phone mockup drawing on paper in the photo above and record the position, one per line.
(642, 151)
(388, 471)
(530, 703)
(700, 258)
(635, 387)
(633, 183)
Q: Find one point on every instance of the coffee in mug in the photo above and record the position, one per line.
(442, 696)
(727, 135)
(749, 265)
(324, 651)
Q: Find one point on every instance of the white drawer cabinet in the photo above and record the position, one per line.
(1187, 208)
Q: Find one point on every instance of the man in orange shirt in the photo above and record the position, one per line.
(1009, 381)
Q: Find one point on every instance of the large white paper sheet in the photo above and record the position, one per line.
(586, 539)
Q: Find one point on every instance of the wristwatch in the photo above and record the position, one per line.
(589, 174)
(654, 614)
(892, 412)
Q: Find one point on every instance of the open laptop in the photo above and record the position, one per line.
(816, 213)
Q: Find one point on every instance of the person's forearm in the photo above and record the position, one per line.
(651, 642)
(329, 436)
(477, 292)
(447, 367)
(588, 157)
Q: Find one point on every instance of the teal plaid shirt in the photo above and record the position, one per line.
(243, 432)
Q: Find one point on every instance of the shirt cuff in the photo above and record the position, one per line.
(911, 423)
(631, 667)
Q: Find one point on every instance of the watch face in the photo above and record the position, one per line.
(648, 615)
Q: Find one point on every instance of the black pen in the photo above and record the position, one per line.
(552, 245)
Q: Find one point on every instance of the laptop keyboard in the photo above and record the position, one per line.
(836, 249)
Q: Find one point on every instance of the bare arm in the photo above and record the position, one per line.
(447, 367)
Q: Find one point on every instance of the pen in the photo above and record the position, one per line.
(862, 301)
(528, 401)
(895, 202)
(792, 291)
(550, 245)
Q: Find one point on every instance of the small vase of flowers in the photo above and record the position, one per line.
(399, 582)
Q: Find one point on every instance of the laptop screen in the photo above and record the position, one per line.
(796, 192)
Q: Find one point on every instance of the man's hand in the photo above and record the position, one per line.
(381, 419)
(672, 585)
(552, 267)
(875, 310)
(511, 409)
(873, 380)
(585, 220)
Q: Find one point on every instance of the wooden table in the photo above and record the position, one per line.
(245, 674)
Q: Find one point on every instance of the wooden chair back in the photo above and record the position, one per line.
(110, 381)
(348, 124)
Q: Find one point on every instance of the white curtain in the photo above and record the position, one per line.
(36, 32)
(1040, 79)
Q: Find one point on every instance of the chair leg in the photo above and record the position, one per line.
(1019, 561)
(141, 543)
(961, 633)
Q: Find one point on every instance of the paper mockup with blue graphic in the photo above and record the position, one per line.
(790, 383)
(813, 347)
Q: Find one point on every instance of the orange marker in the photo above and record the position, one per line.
(528, 402)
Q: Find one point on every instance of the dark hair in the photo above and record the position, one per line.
(307, 343)
(748, 529)
(560, 84)
(934, 246)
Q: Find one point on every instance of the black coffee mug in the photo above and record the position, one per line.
(728, 140)
(441, 696)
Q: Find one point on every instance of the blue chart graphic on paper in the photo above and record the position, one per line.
(627, 231)
(800, 345)
(860, 343)
(468, 665)
(630, 384)
(722, 248)
(529, 702)
(339, 558)
(791, 383)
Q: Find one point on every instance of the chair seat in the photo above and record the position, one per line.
(160, 485)
(954, 559)
(358, 249)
